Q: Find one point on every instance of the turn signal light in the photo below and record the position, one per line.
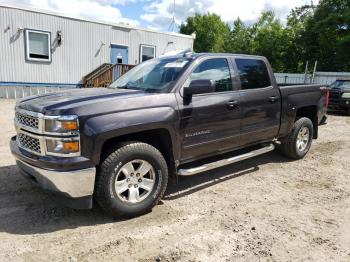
(70, 125)
(71, 146)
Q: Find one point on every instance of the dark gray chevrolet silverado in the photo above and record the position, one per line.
(166, 117)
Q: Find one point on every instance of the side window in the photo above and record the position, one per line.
(214, 69)
(253, 73)
(38, 45)
(147, 52)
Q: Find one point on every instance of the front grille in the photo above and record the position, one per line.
(26, 120)
(335, 94)
(335, 97)
(29, 143)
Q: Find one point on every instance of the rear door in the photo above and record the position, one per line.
(260, 101)
(210, 122)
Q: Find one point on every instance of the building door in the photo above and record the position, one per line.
(119, 54)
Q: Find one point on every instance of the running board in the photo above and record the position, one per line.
(224, 162)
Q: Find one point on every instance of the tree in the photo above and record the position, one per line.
(211, 32)
(267, 37)
(326, 37)
(295, 28)
(312, 33)
(240, 38)
(272, 40)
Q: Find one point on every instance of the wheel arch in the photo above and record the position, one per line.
(159, 138)
(311, 113)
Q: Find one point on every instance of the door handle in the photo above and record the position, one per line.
(273, 99)
(232, 104)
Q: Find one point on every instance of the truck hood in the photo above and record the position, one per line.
(341, 89)
(54, 103)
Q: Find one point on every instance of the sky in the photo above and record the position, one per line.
(157, 14)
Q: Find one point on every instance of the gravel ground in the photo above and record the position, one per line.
(267, 208)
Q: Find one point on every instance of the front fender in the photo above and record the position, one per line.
(98, 129)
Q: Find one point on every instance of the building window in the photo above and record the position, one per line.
(147, 52)
(38, 45)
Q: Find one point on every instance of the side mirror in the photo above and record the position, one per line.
(201, 86)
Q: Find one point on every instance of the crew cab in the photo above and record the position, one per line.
(166, 117)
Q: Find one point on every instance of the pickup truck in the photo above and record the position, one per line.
(339, 95)
(166, 117)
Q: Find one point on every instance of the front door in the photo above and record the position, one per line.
(260, 102)
(210, 123)
(119, 54)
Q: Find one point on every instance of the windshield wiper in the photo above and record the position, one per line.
(126, 87)
(122, 87)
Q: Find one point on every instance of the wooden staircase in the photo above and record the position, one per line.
(105, 74)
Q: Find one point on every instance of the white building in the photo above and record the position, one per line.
(40, 48)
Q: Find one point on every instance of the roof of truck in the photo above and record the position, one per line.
(194, 55)
(228, 54)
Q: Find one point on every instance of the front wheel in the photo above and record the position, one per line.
(298, 142)
(131, 180)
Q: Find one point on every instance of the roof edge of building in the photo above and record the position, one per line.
(121, 25)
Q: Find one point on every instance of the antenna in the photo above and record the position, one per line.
(173, 24)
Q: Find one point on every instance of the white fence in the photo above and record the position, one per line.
(325, 78)
(14, 92)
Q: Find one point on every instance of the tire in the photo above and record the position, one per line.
(291, 145)
(122, 168)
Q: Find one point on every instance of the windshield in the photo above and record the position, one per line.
(342, 84)
(156, 75)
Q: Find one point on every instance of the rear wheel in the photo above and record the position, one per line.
(298, 142)
(131, 180)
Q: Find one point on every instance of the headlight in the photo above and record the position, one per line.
(346, 95)
(61, 147)
(62, 124)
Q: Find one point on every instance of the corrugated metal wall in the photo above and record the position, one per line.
(325, 78)
(15, 92)
(320, 78)
(329, 77)
(286, 78)
(85, 46)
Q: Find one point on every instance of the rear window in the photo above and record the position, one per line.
(253, 73)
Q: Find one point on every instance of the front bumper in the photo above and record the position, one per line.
(73, 188)
(341, 104)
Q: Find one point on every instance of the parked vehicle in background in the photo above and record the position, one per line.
(339, 95)
(121, 144)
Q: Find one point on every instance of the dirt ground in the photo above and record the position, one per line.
(267, 208)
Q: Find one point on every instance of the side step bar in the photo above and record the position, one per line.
(224, 162)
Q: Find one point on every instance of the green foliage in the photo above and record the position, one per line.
(240, 38)
(271, 40)
(311, 33)
(211, 32)
(326, 37)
